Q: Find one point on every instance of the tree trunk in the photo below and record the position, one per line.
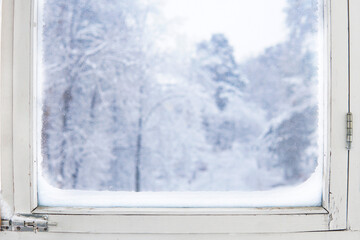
(139, 145)
(138, 156)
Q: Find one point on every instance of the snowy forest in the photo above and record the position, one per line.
(122, 111)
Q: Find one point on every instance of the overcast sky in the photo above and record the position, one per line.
(250, 25)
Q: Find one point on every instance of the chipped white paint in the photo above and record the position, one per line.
(339, 106)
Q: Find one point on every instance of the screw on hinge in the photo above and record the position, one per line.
(349, 130)
(27, 223)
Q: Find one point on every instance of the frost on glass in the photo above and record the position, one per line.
(180, 96)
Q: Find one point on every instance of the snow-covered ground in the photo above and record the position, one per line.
(307, 194)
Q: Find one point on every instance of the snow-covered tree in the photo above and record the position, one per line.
(284, 82)
(216, 58)
(92, 54)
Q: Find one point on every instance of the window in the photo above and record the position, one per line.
(153, 97)
(18, 138)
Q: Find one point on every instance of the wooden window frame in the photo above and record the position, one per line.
(18, 175)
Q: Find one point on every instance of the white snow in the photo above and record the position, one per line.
(6, 211)
(307, 194)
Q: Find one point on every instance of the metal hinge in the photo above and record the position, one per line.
(26, 223)
(349, 130)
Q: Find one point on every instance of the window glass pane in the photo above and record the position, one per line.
(199, 102)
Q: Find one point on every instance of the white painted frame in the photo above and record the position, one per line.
(17, 166)
(354, 163)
